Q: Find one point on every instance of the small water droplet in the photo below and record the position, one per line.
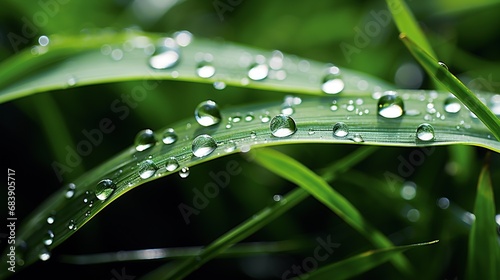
(171, 164)
(249, 118)
(144, 140)
(390, 106)
(203, 145)
(277, 197)
(72, 225)
(253, 135)
(276, 61)
(358, 138)
(219, 85)
(311, 131)
(409, 190)
(282, 126)
(332, 82)
(235, 119)
(442, 64)
(43, 40)
(287, 110)
(340, 129)
(50, 220)
(230, 146)
(146, 169)
(117, 54)
(87, 213)
(70, 192)
(183, 38)
(425, 132)
(452, 105)
(104, 189)
(334, 107)
(258, 72)
(165, 56)
(169, 136)
(184, 172)
(265, 118)
(49, 239)
(443, 203)
(71, 81)
(44, 255)
(205, 70)
(207, 113)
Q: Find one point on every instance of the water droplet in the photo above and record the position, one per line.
(203, 145)
(334, 107)
(183, 38)
(50, 220)
(409, 190)
(332, 83)
(87, 213)
(357, 138)
(70, 192)
(265, 118)
(72, 225)
(184, 172)
(340, 129)
(117, 54)
(230, 146)
(425, 132)
(442, 64)
(277, 197)
(287, 110)
(43, 40)
(276, 61)
(207, 113)
(169, 136)
(49, 239)
(71, 81)
(258, 72)
(253, 135)
(144, 140)
(171, 164)
(44, 254)
(235, 119)
(282, 126)
(146, 169)
(311, 131)
(165, 56)
(390, 106)
(104, 189)
(443, 203)
(205, 70)
(219, 85)
(452, 105)
(249, 118)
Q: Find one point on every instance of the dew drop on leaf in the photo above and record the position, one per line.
(390, 106)
(258, 72)
(171, 164)
(49, 238)
(230, 146)
(249, 118)
(169, 136)
(146, 169)
(282, 126)
(358, 138)
(70, 191)
(50, 220)
(104, 189)
(184, 172)
(166, 55)
(205, 70)
(44, 255)
(253, 134)
(72, 225)
(452, 105)
(425, 132)
(340, 129)
(442, 64)
(144, 140)
(207, 113)
(203, 145)
(287, 110)
(219, 85)
(183, 38)
(332, 82)
(265, 118)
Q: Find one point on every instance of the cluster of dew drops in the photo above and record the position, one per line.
(167, 54)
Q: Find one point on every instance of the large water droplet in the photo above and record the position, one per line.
(171, 164)
(452, 105)
(70, 192)
(258, 72)
(332, 82)
(104, 189)
(390, 106)
(340, 129)
(166, 55)
(147, 169)
(425, 132)
(205, 70)
(144, 140)
(203, 145)
(169, 136)
(282, 126)
(184, 172)
(207, 113)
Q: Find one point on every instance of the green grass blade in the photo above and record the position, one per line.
(440, 72)
(406, 23)
(297, 173)
(78, 61)
(361, 263)
(484, 250)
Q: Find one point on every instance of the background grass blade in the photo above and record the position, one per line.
(454, 85)
(59, 67)
(295, 172)
(356, 265)
(484, 249)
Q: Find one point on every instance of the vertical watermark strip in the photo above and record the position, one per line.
(11, 219)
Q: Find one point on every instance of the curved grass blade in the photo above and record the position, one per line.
(484, 250)
(361, 263)
(293, 171)
(440, 71)
(78, 202)
(78, 61)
